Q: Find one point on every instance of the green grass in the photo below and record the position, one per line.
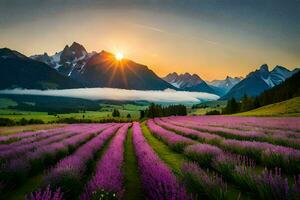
(5, 102)
(288, 108)
(172, 159)
(133, 110)
(216, 103)
(203, 111)
(104, 112)
(131, 107)
(205, 107)
(133, 114)
(133, 187)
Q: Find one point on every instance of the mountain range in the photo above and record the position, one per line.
(223, 86)
(258, 81)
(71, 58)
(188, 82)
(74, 67)
(17, 70)
(79, 69)
(192, 82)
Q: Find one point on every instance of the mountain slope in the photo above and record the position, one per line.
(289, 107)
(17, 70)
(70, 59)
(183, 80)
(188, 82)
(103, 70)
(223, 86)
(258, 81)
(288, 89)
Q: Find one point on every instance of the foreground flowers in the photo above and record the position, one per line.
(176, 142)
(45, 195)
(67, 173)
(157, 179)
(108, 178)
(86, 161)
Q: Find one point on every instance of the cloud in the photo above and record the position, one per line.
(150, 28)
(166, 96)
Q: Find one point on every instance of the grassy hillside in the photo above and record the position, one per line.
(289, 107)
(203, 108)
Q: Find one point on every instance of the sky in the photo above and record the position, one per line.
(213, 38)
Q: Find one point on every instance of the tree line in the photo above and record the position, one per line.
(155, 110)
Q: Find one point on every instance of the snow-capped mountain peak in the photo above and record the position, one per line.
(188, 82)
(259, 81)
(279, 74)
(274, 77)
(225, 84)
(183, 80)
(71, 58)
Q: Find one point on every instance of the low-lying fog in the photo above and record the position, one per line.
(167, 95)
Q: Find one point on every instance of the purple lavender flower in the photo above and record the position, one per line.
(186, 131)
(158, 181)
(15, 171)
(175, 141)
(202, 153)
(108, 178)
(72, 167)
(45, 195)
(203, 183)
(231, 133)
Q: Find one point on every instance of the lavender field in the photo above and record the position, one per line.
(204, 157)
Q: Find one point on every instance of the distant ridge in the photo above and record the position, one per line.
(258, 81)
(188, 82)
(74, 67)
(223, 86)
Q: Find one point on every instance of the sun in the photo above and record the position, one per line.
(119, 56)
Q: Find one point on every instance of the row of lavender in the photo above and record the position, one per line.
(237, 169)
(264, 153)
(69, 173)
(266, 124)
(279, 131)
(158, 181)
(32, 153)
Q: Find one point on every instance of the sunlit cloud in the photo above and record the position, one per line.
(166, 96)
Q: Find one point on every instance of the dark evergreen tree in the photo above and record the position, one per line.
(232, 107)
(116, 113)
(142, 114)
